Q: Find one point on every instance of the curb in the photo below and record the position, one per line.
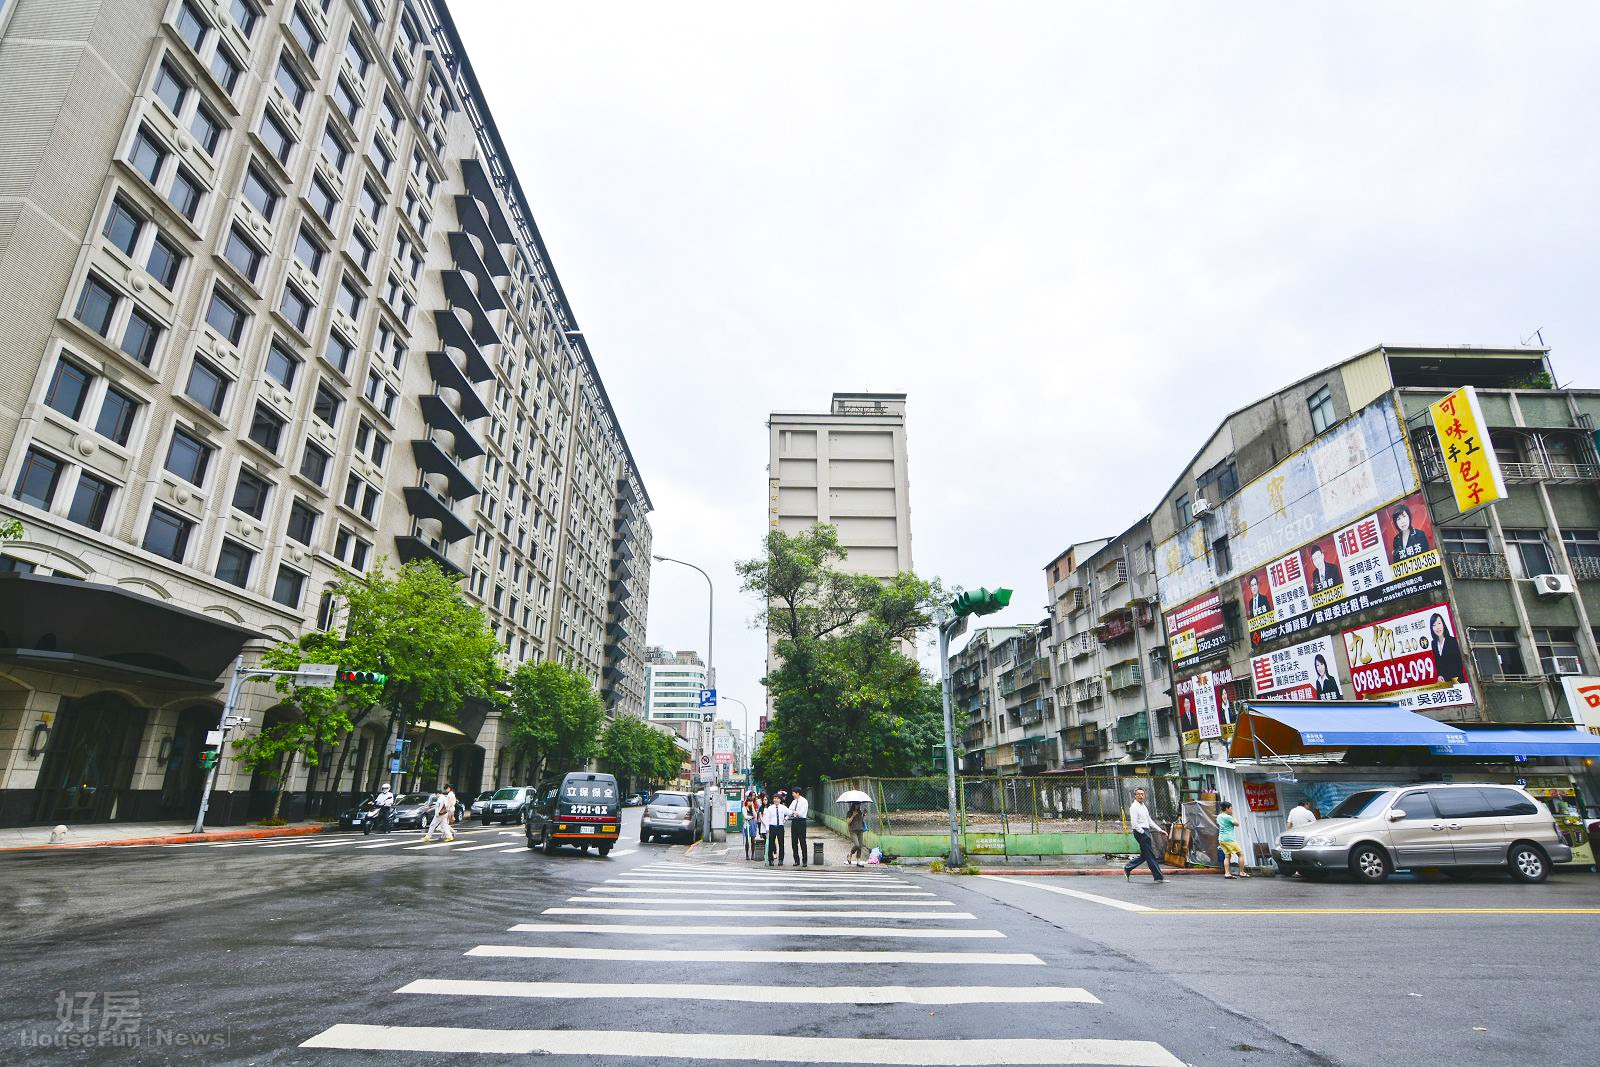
(1090, 871)
(181, 839)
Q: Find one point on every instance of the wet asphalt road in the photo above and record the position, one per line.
(268, 949)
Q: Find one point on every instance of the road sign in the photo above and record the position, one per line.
(213, 738)
(708, 717)
(707, 777)
(708, 698)
(316, 675)
(394, 766)
(705, 761)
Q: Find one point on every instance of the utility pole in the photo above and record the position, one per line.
(711, 678)
(952, 619)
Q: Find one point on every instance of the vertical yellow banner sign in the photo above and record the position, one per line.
(1468, 454)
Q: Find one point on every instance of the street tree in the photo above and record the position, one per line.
(415, 627)
(849, 698)
(554, 716)
(635, 751)
(10, 529)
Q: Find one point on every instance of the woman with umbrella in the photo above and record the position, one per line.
(855, 821)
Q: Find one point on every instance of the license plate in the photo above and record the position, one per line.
(1285, 854)
(586, 829)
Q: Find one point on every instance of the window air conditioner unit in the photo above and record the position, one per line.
(1201, 506)
(1566, 665)
(1552, 584)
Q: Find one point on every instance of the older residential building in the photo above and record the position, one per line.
(276, 307)
(977, 706)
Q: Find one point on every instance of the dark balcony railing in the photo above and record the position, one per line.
(1585, 568)
(1478, 565)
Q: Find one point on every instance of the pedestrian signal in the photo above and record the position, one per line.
(363, 677)
(208, 759)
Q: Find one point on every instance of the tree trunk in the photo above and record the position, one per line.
(416, 758)
(337, 780)
(283, 784)
(379, 772)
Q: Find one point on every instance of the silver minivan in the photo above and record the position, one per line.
(1457, 828)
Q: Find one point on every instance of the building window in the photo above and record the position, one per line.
(322, 199)
(370, 443)
(250, 494)
(1557, 648)
(207, 386)
(281, 365)
(266, 428)
(1465, 540)
(338, 351)
(123, 226)
(191, 27)
(290, 82)
(360, 250)
(36, 484)
(97, 305)
(69, 386)
(171, 88)
(357, 55)
(188, 458)
(225, 316)
(245, 15)
(295, 307)
(148, 156)
(261, 193)
(167, 534)
(360, 497)
(226, 69)
(141, 336)
(185, 194)
(314, 464)
(90, 501)
(349, 298)
(1581, 544)
(289, 587)
(334, 149)
(164, 262)
(1222, 556)
(344, 98)
(207, 129)
(276, 136)
(350, 549)
(1321, 407)
(371, 202)
(1528, 552)
(301, 30)
(302, 523)
(326, 405)
(309, 251)
(233, 563)
(1495, 651)
(380, 157)
(1182, 510)
(116, 416)
(242, 253)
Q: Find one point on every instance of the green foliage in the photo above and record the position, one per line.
(849, 700)
(555, 716)
(10, 529)
(413, 626)
(633, 750)
(1537, 380)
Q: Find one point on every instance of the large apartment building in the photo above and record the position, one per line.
(275, 307)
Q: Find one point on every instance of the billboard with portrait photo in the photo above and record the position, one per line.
(1414, 660)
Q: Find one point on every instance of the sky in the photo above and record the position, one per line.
(1077, 235)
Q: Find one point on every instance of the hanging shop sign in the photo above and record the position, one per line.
(1380, 559)
(1413, 660)
(1468, 454)
(1583, 700)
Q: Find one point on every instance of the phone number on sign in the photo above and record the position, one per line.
(1401, 674)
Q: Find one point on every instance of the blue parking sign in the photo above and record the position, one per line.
(708, 698)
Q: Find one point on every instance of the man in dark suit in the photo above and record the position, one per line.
(1324, 575)
(1259, 605)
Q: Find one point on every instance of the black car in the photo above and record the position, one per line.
(358, 817)
(508, 805)
(413, 811)
(585, 811)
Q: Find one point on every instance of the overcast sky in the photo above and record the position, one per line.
(1076, 235)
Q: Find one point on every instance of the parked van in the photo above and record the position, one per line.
(586, 811)
(1457, 828)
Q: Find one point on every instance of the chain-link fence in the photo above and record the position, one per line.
(1015, 805)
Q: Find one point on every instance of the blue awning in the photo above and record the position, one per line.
(1522, 743)
(1290, 728)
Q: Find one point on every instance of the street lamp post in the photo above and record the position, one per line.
(711, 663)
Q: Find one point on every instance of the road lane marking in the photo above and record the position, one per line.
(755, 955)
(745, 880)
(436, 844)
(793, 994)
(1110, 902)
(480, 848)
(1373, 911)
(787, 901)
(747, 1048)
(515, 848)
(813, 893)
(747, 931)
(233, 844)
(283, 844)
(389, 844)
(330, 844)
(772, 913)
(625, 852)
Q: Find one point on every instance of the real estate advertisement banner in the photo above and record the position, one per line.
(1379, 559)
(1197, 632)
(1413, 660)
(1475, 477)
(1345, 473)
(1205, 706)
(1305, 671)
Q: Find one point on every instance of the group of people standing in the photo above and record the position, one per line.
(768, 818)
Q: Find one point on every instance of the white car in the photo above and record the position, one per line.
(481, 803)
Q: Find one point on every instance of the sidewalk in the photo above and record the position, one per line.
(834, 849)
(146, 833)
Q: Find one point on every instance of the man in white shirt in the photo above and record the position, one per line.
(773, 816)
(798, 809)
(1301, 815)
(1143, 828)
(381, 812)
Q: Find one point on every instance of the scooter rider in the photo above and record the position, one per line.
(384, 803)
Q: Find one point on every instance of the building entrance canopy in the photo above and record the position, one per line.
(1290, 728)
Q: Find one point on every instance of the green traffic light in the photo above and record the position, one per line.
(981, 601)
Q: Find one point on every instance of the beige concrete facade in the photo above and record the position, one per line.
(275, 308)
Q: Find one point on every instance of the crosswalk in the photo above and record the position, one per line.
(486, 840)
(872, 951)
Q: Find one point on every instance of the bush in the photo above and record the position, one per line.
(274, 821)
(937, 866)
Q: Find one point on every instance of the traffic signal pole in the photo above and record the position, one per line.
(949, 740)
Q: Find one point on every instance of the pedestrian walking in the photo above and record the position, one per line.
(752, 824)
(773, 817)
(1301, 815)
(443, 812)
(1143, 828)
(799, 808)
(382, 810)
(1228, 839)
(855, 821)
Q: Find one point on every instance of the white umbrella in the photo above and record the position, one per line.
(852, 796)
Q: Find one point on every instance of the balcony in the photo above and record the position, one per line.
(1133, 728)
(1584, 568)
(620, 590)
(441, 416)
(447, 375)
(1124, 676)
(1083, 737)
(1086, 690)
(617, 629)
(454, 334)
(433, 460)
(1030, 712)
(1035, 751)
(465, 255)
(481, 185)
(1080, 645)
(1478, 565)
(475, 222)
(410, 547)
(424, 503)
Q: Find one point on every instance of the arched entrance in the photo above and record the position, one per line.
(88, 765)
(184, 779)
(264, 783)
(466, 770)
